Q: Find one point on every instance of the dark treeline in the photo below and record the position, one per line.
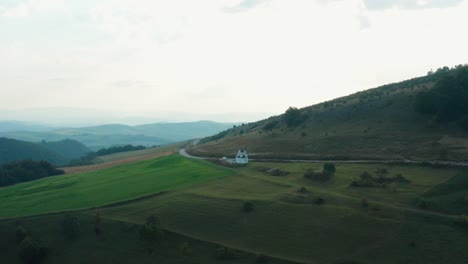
(26, 170)
(93, 157)
(111, 150)
(448, 100)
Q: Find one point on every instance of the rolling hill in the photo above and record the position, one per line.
(379, 123)
(58, 153)
(103, 136)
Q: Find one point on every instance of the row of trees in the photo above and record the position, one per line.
(111, 150)
(26, 170)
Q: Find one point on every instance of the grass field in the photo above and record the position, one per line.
(120, 183)
(201, 202)
(143, 153)
(118, 243)
(290, 225)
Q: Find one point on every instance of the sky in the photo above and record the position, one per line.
(224, 60)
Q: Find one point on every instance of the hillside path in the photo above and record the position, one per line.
(183, 152)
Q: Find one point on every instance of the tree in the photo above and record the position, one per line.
(151, 233)
(71, 226)
(329, 168)
(293, 116)
(97, 223)
(248, 207)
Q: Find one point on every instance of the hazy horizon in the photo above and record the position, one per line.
(82, 62)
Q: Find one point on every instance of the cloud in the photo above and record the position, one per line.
(244, 5)
(409, 4)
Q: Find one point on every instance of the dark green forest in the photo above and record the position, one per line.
(58, 153)
(26, 170)
(447, 101)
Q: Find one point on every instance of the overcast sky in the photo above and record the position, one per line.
(215, 59)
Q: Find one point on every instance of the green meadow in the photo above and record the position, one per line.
(294, 218)
(98, 188)
(288, 224)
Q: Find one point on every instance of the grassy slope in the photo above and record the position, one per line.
(375, 124)
(106, 186)
(289, 225)
(119, 243)
(138, 153)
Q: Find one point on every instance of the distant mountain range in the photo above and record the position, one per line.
(103, 136)
(58, 153)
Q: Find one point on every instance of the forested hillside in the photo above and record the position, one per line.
(58, 153)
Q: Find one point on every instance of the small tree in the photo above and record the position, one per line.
(185, 250)
(31, 251)
(97, 223)
(71, 226)
(21, 234)
(151, 233)
(329, 168)
(248, 207)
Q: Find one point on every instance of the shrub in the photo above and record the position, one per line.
(364, 202)
(97, 223)
(32, 251)
(185, 249)
(224, 253)
(317, 176)
(71, 226)
(462, 221)
(319, 200)
(248, 207)
(302, 190)
(151, 232)
(270, 125)
(21, 234)
(329, 168)
(262, 259)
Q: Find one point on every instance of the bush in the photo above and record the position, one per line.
(248, 207)
(71, 226)
(151, 233)
(185, 249)
(21, 234)
(270, 125)
(302, 190)
(224, 253)
(319, 200)
(368, 180)
(317, 176)
(262, 259)
(462, 221)
(329, 168)
(364, 202)
(32, 251)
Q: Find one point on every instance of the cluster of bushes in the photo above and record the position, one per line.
(30, 250)
(111, 150)
(273, 171)
(26, 170)
(447, 101)
(366, 179)
(327, 172)
(270, 125)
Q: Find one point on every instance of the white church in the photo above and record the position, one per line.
(242, 157)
